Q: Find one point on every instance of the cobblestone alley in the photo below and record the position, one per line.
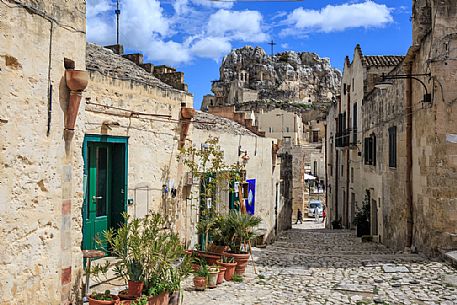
(311, 265)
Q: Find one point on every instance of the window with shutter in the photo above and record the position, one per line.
(393, 146)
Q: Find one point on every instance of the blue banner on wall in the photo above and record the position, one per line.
(250, 201)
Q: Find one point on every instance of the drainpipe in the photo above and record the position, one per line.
(76, 81)
(409, 160)
(186, 115)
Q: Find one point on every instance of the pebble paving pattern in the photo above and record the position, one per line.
(311, 265)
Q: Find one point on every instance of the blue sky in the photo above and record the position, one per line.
(194, 35)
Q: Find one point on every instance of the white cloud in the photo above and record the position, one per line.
(168, 52)
(211, 47)
(284, 45)
(240, 25)
(177, 35)
(95, 7)
(214, 3)
(333, 18)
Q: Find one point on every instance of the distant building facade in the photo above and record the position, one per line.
(404, 156)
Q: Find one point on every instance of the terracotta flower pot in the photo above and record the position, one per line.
(210, 259)
(230, 270)
(200, 283)
(242, 261)
(135, 288)
(195, 267)
(220, 275)
(217, 249)
(115, 300)
(161, 299)
(212, 277)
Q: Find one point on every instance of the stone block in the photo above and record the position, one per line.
(116, 48)
(136, 58)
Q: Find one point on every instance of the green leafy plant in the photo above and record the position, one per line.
(227, 259)
(237, 278)
(207, 164)
(156, 285)
(336, 224)
(126, 243)
(106, 296)
(362, 215)
(149, 252)
(97, 270)
(202, 272)
(143, 300)
(240, 229)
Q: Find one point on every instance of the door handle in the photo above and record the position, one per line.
(96, 198)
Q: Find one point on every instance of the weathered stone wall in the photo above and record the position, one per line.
(331, 183)
(38, 264)
(112, 107)
(387, 185)
(350, 182)
(260, 165)
(434, 147)
(281, 124)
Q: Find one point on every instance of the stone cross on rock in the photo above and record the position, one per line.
(272, 44)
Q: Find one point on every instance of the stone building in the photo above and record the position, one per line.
(433, 209)
(280, 124)
(262, 168)
(133, 127)
(344, 133)
(408, 140)
(66, 181)
(41, 164)
(248, 74)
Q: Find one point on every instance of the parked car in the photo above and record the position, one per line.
(312, 207)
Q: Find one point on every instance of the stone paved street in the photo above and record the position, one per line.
(311, 265)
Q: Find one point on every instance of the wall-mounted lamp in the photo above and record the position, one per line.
(386, 82)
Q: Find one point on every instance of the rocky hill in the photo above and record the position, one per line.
(249, 74)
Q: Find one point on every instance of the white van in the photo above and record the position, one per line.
(312, 207)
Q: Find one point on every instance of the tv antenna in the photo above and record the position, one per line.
(118, 12)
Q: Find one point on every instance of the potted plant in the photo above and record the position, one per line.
(242, 232)
(362, 217)
(158, 291)
(127, 245)
(213, 273)
(220, 275)
(201, 278)
(177, 275)
(143, 300)
(105, 298)
(229, 264)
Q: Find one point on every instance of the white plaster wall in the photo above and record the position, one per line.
(258, 167)
(153, 143)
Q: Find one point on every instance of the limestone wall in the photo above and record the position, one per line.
(152, 141)
(38, 264)
(434, 147)
(387, 185)
(259, 167)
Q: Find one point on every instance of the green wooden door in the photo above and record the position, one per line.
(98, 209)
